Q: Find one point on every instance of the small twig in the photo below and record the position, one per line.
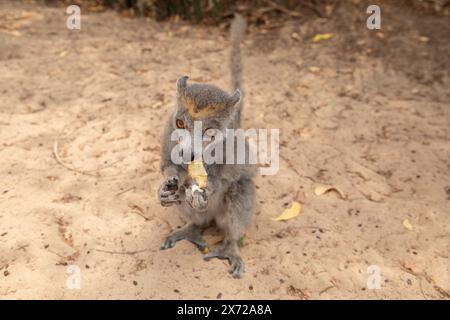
(291, 166)
(421, 289)
(23, 247)
(85, 172)
(126, 190)
(326, 289)
(425, 276)
(58, 159)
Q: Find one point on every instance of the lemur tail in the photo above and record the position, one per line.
(237, 30)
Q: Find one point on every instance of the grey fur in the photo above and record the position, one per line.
(237, 29)
(229, 197)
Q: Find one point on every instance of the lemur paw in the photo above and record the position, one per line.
(168, 192)
(196, 199)
(237, 265)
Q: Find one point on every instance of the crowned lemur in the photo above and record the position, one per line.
(229, 196)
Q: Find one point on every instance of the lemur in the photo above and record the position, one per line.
(229, 197)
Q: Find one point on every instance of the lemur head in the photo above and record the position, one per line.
(209, 104)
(214, 108)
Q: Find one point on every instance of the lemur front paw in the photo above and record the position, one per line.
(168, 192)
(196, 198)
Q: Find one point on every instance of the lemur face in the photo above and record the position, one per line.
(206, 108)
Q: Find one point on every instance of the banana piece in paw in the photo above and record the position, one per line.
(197, 172)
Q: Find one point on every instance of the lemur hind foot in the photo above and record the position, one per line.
(189, 232)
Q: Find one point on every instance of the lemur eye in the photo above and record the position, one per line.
(210, 132)
(180, 124)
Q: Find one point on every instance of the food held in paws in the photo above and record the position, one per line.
(197, 172)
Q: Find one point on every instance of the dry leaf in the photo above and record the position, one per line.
(322, 36)
(290, 213)
(322, 189)
(313, 69)
(407, 224)
(64, 53)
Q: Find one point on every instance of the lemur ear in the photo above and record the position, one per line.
(182, 83)
(235, 98)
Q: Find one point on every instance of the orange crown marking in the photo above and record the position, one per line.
(204, 112)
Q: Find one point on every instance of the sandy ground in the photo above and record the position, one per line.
(366, 112)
